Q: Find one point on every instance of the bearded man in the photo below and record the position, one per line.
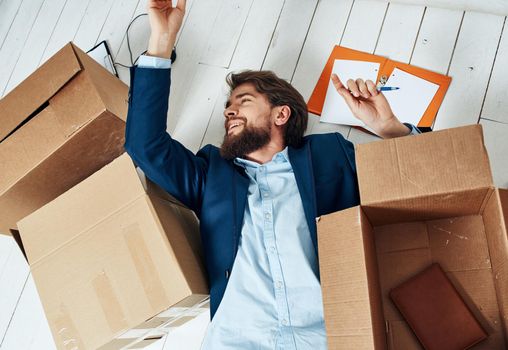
(257, 196)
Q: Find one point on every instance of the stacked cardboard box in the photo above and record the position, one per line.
(57, 127)
(111, 253)
(427, 198)
(116, 260)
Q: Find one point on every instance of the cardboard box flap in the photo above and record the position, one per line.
(495, 219)
(440, 162)
(107, 85)
(45, 82)
(41, 237)
(351, 291)
(503, 196)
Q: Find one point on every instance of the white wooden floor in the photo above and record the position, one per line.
(291, 37)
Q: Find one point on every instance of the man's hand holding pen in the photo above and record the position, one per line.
(368, 104)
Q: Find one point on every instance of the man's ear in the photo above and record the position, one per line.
(283, 114)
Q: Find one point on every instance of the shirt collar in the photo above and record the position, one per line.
(279, 157)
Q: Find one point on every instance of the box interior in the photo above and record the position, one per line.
(382, 247)
(468, 249)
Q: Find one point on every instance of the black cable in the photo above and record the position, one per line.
(128, 41)
(173, 52)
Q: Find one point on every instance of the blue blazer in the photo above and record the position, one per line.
(215, 188)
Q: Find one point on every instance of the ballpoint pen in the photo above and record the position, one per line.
(388, 88)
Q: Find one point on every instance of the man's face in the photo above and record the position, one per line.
(247, 122)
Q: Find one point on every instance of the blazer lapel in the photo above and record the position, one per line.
(240, 188)
(301, 162)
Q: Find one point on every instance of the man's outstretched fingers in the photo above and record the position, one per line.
(351, 84)
(372, 87)
(341, 89)
(363, 88)
(338, 84)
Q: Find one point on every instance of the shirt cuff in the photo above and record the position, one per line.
(154, 62)
(414, 129)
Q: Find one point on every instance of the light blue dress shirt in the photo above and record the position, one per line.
(273, 297)
(145, 61)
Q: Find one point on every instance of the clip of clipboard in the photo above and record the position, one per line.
(387, 66)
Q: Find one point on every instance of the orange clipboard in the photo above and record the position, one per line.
(386, 67)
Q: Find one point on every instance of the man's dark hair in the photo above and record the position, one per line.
(278, 92)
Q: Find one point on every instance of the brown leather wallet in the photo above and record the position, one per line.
(436, 312)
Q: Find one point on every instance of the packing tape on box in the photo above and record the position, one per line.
(66, 333)
(145, 266)
(109, 303)
(159, 326)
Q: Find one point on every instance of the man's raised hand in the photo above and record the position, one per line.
(370, 106)
(165, 22)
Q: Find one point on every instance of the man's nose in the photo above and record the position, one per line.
(228, 113)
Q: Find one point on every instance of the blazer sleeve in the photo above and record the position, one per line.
(164, 160)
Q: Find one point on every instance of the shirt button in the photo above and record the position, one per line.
(261, 168)
(284, 322)
(265, 194)
(267, 216)
(278, 284)
(272, 249)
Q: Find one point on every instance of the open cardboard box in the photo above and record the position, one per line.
(57, 127)
(111, 253)
(427, 198)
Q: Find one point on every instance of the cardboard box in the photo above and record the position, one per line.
(153, 330)
(427, 198)
(57, 127)
(109, 254)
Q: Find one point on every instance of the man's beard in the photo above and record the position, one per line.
(248, 140)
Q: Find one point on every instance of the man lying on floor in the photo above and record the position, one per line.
(257, 196)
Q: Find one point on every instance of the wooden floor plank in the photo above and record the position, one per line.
(495, 106)
(225, 32)
(8, 11)
(91, 25)
(116, 24)
(364, 25)
(470, 70)
(36, 42)
(29, 327)
(325, 31)
(400, 29)
(199, 104)
(12, 282)
(188, 8)
(6, 245)
(496, 142)
(436, 39)
(288, 38)
(66, 27)
(255, 38)
(15, 39)
(192, 42)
